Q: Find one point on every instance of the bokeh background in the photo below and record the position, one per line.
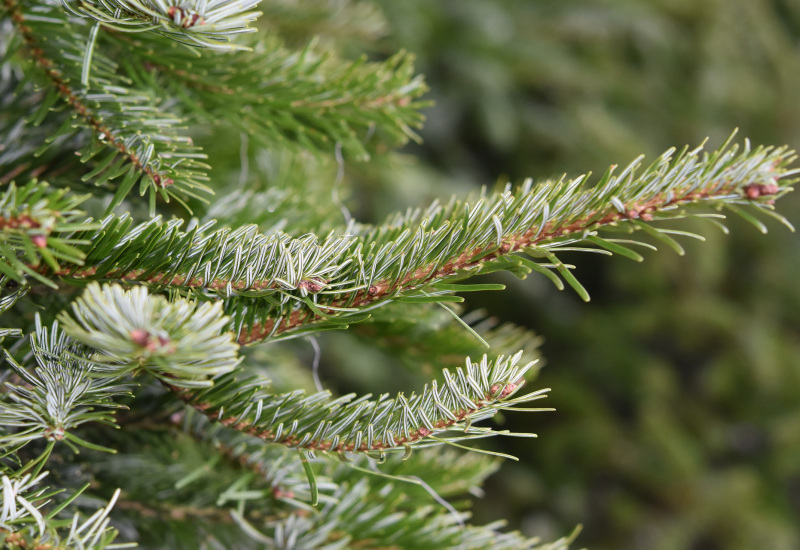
(678, 386)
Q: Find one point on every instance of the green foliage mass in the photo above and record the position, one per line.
(677, 426)
(209, 277)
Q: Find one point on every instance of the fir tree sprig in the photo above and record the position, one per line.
(202, 23)
(409, 254)
(179, 341)
(133, 142)
(356, 425)
(392, 511)
(60, 394)
(276, 285)
(36, 223)
(183, 345)
(25, 521)
(308, 100)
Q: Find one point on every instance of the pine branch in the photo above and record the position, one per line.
(133, 139)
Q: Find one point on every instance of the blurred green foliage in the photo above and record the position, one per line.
(678, 422)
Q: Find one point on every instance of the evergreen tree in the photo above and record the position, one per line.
(155, 340)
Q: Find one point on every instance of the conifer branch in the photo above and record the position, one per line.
(202, 23)
(276, 285)
(446, 471)
(382, 510)
(179, 341)
(58, 396)
(460, 241)
(348, 425)
(26, 523)
(309, 100)
(36, 224)
(135, 141)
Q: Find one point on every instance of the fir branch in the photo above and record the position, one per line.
(135, 141)
(307, 100)
(272, 506)
(447, 471)
(180, 341)
(240, 261)
(276, 285)
(202, 23)
(462, 240)
(358, 517)
(345, 424)
(35, 223)
(58, 396)
(25, 522)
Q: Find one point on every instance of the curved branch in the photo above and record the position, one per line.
(349, 424)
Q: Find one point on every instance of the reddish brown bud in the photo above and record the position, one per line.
(54, 434)
(752, 191)
(311, 286)
(769, 189)
(160, 343)
(508, 389)
(40, 241)
(139, 336)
